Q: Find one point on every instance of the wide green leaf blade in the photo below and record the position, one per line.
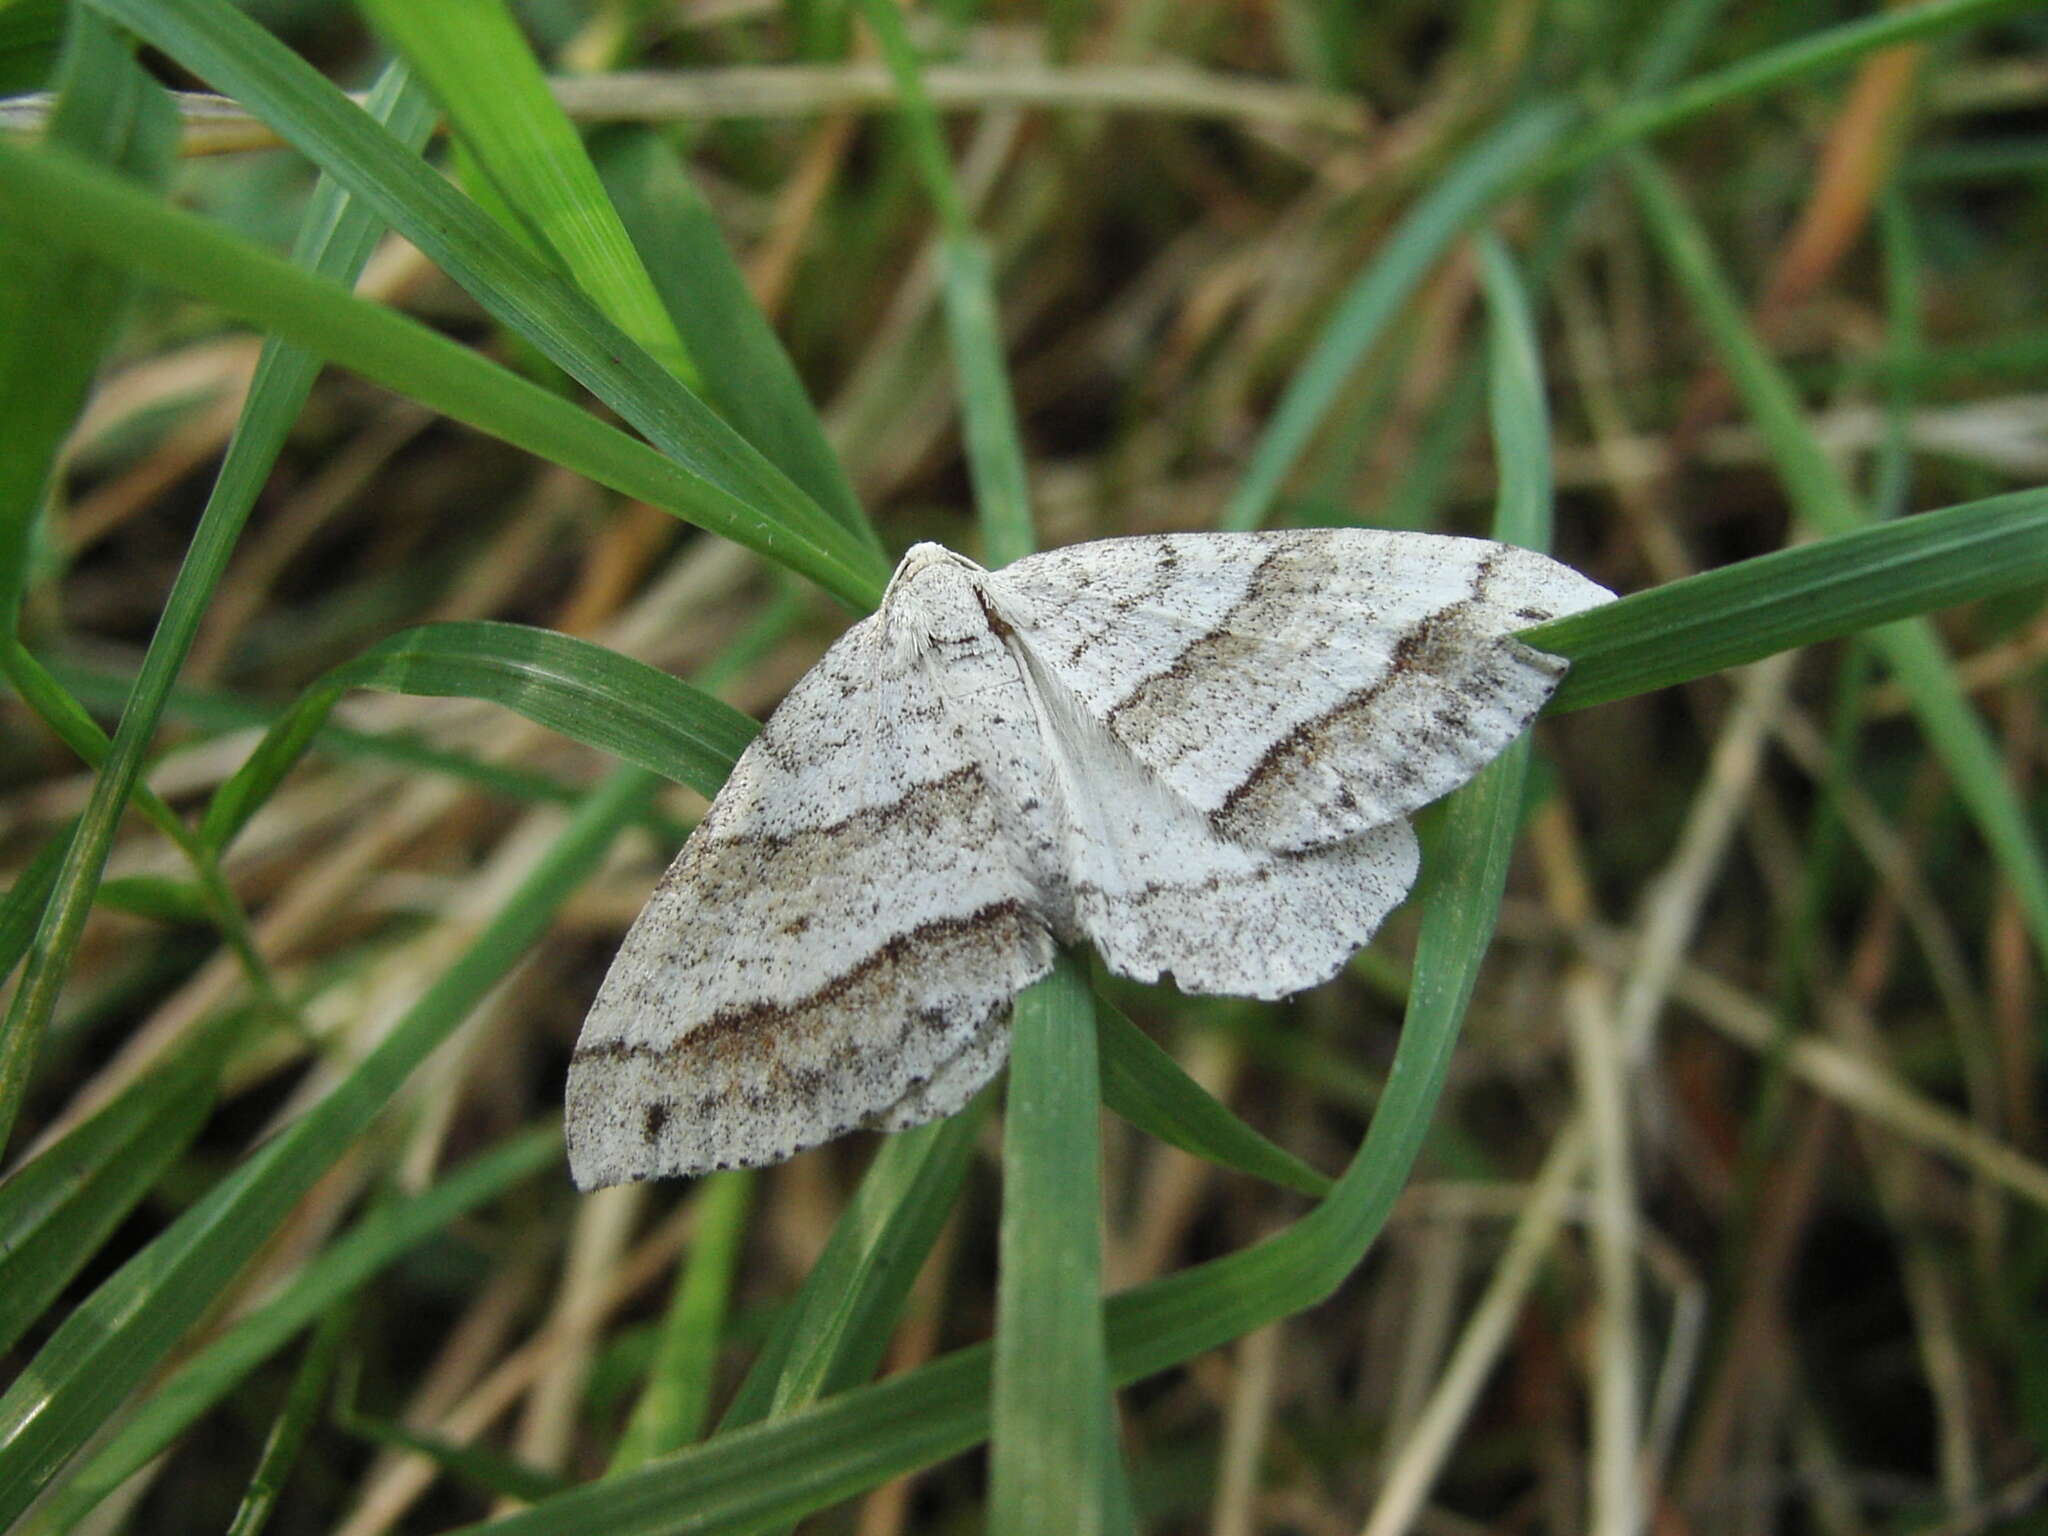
(224, 47)
(583, 690)
(1053, 1458)
(477, 63)
(72, 205)
(1147, 1087)
(748, 375)
(1833, 587)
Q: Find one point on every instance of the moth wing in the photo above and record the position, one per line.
(836, 945)
(1298, 688)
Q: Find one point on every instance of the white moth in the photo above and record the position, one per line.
(1196, 751)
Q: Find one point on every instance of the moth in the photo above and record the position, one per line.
(1197, 752)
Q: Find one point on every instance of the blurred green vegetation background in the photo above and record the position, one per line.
(1672, 1162)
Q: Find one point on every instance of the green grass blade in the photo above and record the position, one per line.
(56, 318)
(1816, 53)
(70, 204)
(483, 1468)
(112, 1341)
(677, 1401)
(1147, 1087)
(834, 1333)
(213, 710)
(22, 908)
(157, 897)
(1515, 402)
(335, 241)
(218, 43)
(995, 449)
(373, 1243)
(749, 376)
(57, 315)
(593, 695)
(57, 1208)
(1053, 1450)
(477, 63)
(1464, 195)
(1804, 595)
(287, 1435)
(1821, 497)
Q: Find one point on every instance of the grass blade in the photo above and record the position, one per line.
(995, 450)
(58, 1208)
(287, 1435)
(594, 695)
(1053, 1455)
(672, 1410)
(1804, 595)
(749, 376)
(71, 205)
(1147, 1087)
(106, 1347)
(478, 65)
(57, 315)
(1821, 497)
(55, 322)
(834, 1333)
(1829, 49)
(1482, 175)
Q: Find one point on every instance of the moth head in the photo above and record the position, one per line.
(931, 600)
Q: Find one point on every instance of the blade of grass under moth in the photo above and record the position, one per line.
(218, 43)
(833, 1333)
(1809, 593)
(1463, 195)
(1822, 498)
(1052, 1445)
(1147, 1087)
(477, 63)
(676, 1401)
(65, 201)
(118, 1335)
(591, 694)
(1054, 1462)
